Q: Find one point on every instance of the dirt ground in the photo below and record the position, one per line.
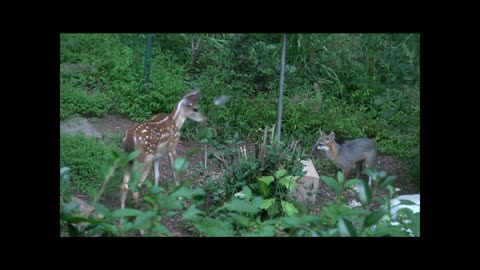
(118, 125)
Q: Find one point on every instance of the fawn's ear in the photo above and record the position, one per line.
(191, 98)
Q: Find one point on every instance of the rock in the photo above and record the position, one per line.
(307, 186)
(395, 203)
(84, 209)
(79, 125)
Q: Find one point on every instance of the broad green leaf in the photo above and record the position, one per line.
(340, 176)
(247, 192)
(198, 195)
(181, 164)
(391, 190)
(182, 192)
(161, 230)
(289, 182)
(384, 182)
(297, 221)
(263, 189)
(72, 219)
(371, 172)
(332, 184)
(141, 218)
(262, 231)
(266, 179)
(173, 203)
(245, 206)
(289, 209)
(396, 231)
(192, 213)
(133, 155)
(240, 219)
(149, 200)
(407, 202)
(156, 189)
(345, 227)
(267, 203)
(214, 227)
(127, 212)
(373, 218)
(266, 231)
(365, 193)
(170, 214)
(353, 182)
(280, 173)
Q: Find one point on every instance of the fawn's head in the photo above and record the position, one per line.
(324, 142)
(190, 108)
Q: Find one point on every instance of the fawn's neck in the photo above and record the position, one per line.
(176, 116)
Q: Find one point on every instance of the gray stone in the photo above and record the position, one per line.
(307, 186)
(79, 125)
(395, 203)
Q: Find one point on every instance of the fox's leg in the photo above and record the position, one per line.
(359, 166)
(346, 173)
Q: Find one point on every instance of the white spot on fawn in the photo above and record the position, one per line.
(143, 131)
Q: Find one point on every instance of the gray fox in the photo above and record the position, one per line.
(347, 155)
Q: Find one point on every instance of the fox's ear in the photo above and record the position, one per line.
(331, 136)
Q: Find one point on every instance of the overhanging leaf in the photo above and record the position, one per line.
(141, 218)
(407, 202)
(384, 182)
(353, 182)
(373, 218)
(192, 214)
(133, 155)
(345, 227)
(180, 164)
(340, 177)
(365, 193)
(331, 183)
(127, 212)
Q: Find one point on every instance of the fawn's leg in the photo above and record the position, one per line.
(145, 170)
(156, 167)
(172, 153)
(124, 187)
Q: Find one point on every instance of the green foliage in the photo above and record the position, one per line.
(83, 156)
(361, 85)
(239, 216)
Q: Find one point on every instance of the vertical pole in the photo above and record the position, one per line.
(280, 96)
(148, 56)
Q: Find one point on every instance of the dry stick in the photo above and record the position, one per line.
(262, 147)
(205, 156)
(104, 185)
